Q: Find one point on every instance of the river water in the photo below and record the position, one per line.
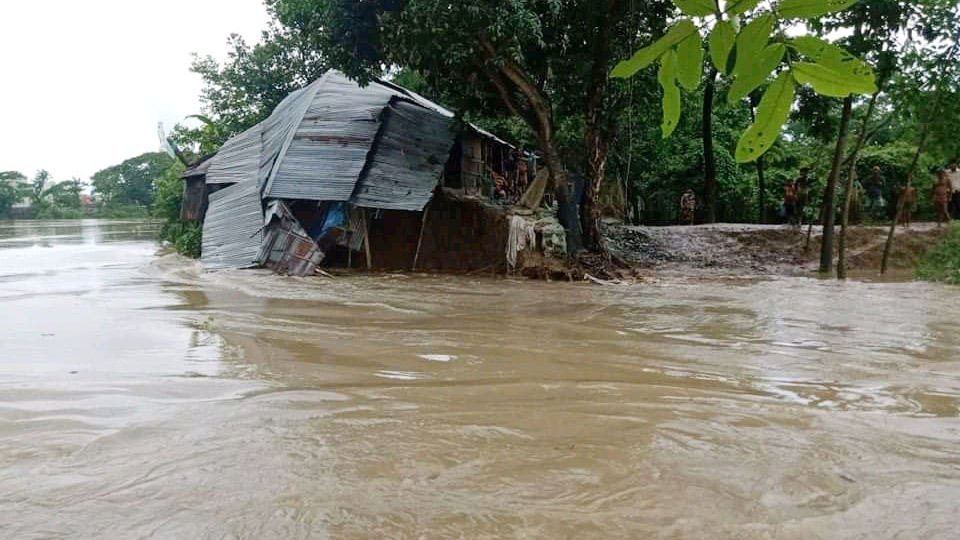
(143, 399)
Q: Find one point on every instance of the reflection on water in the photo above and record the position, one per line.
(142, 398)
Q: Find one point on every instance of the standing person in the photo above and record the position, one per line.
(802, 190)
(523, 180)
(688, 207)
(909, 205)
(790, 202)
(873, 186)
(953, 176)
(942, 193)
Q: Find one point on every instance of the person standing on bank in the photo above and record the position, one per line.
(909, 196)
(688, 207)
(941, 197)
(953, 177)
(790, 203)
(873, 186)
(802, 191)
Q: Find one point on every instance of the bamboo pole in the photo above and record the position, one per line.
(366, 240)
(423, 226)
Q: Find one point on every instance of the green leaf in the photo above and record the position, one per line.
(771, 114)
(722, 39)
(690, 62)
(739, 7)
(756, 72)
(829, 82)
(808, 9)
(647, 55)
(751, 42)
(696, 8)
(671, 94)
(832, 57)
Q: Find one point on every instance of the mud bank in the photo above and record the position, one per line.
(760, 249)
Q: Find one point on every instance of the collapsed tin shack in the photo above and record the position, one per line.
(343, 175)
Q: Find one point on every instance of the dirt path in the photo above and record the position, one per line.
(760, 249)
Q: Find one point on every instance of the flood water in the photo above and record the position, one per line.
(143, 399)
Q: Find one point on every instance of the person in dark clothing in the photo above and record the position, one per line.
(953, 177)
(873, 187)
(790, 202)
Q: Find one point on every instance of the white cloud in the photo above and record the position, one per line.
(84, 84)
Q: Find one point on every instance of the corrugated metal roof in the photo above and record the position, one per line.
(316, 142)
(238, 160)
(277, 128)
(442, 110)
(233, 227)
(407, 159)
(330, 146)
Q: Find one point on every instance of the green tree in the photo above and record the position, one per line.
(66, 194)
(131, 182)
(244, 89)
(748, 54)
(531, 59)
(9, 191)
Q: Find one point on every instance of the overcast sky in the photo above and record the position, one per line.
(83, 83)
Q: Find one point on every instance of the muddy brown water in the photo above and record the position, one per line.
(143, 399)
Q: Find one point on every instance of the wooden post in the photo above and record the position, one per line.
(366, 240)
(423, 225)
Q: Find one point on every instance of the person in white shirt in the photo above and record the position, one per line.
(953, 176)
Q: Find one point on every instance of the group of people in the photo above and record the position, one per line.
(945, 196)
(796, 196)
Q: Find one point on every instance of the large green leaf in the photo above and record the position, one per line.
(771, 114)
(690, 62)
(752, 40)
(739, 7)
(696, 8)
(830, 82)
(647, 55)
(756, 72)
(722, 39)
(832, 57)
(671, 94)
(808, 9)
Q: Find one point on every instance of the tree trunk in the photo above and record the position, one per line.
(567, 206)
(597, 141)
(590, 215)
(709, 164)
(830, 194)
(534, 108)
(845, 222)
(849, 187)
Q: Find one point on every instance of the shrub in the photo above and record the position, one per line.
(167, 200)
(942, 263)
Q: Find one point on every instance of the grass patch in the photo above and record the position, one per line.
(942, 262)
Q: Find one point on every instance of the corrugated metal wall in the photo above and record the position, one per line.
(232, 230)
(407, 160)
